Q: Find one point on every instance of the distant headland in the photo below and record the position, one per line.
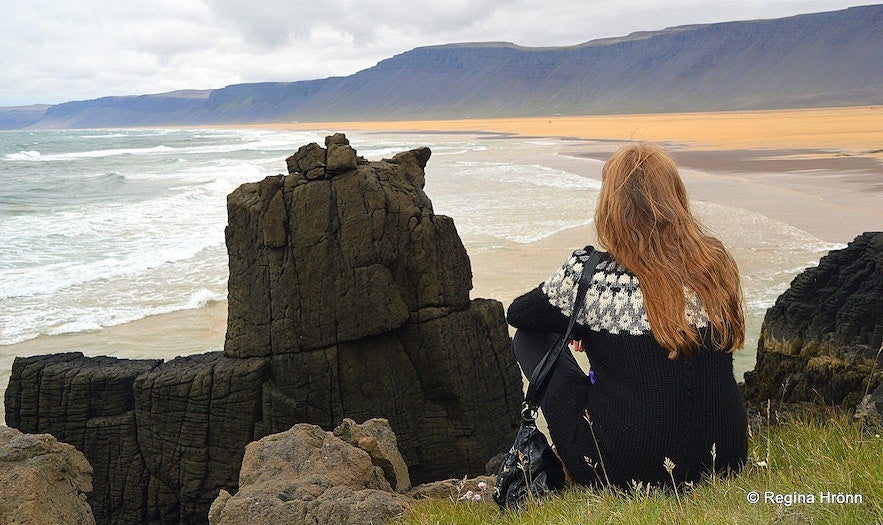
(826, 59)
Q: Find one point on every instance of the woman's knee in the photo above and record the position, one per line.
(530, 347)
(526, 344)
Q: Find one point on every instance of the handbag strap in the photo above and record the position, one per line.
(541, 372)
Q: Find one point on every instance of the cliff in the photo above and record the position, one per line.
(348, 298)
(813, 60)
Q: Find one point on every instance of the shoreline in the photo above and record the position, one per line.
(851, 130)
(827, 190)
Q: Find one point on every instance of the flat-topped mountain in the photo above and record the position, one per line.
(814, 60)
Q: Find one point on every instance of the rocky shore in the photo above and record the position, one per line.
(348, 298)
(349, 302)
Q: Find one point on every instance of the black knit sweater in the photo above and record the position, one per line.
(643, 406)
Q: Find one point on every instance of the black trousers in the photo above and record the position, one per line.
(530, 347)
(563, 402)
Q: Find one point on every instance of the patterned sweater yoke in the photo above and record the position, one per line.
(614, 302)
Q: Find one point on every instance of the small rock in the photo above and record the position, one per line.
(309, 159)
(324, 480)
(870, 409)
(456, 489)
(340, 159)
(42, 481)
(376, 437)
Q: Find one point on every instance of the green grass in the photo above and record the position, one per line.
(806, 456)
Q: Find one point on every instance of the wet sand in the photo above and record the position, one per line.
(818, 170)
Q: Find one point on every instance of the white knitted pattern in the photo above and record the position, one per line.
(614, 302)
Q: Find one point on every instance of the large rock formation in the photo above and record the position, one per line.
(306, 475)
(358, 295)
(820, 342)
(43, 482)
(348, 298)
(337, 251)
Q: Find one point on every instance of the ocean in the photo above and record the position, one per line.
(104, 227)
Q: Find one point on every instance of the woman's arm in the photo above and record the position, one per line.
(543, 308)
(533, 312)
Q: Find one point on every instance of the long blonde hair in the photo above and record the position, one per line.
(644, 220)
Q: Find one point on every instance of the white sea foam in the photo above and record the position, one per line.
(498, 201)
(109, 301)
(105, 136)
(97, 154)
(23, 155)
(770, 253)
(204, 296)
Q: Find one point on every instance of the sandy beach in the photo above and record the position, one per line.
(819, 170)
(837, 131)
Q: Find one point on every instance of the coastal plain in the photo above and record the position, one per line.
(818, 170)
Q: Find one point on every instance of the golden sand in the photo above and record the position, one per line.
(850, 130)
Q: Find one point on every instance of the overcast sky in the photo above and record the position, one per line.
(55, 51)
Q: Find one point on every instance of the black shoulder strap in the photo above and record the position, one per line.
(541, 372)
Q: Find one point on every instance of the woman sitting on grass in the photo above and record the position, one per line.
(661, 318)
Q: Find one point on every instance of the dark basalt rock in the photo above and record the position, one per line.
(90, 404)
(360, 295)
(820, 341)
(338, 258)
(195, 415)
(348, 298)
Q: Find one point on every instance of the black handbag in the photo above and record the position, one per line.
(531, 468)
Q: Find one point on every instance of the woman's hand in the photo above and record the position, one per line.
(577, 346)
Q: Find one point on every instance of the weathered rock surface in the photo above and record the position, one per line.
(43, 482)
(195, 415)
(820, 341)
(348, 298)
(90, 404)
(307, 475)
(377, 439)
(320, 259)
(358, 295)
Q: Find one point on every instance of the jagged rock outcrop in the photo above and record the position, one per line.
(358, 294)
(348, 298)
(338, 250)
(377, 439)
(820, 341)
(43, 482)
(307, 475)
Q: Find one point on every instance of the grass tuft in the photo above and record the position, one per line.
(790, 460)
